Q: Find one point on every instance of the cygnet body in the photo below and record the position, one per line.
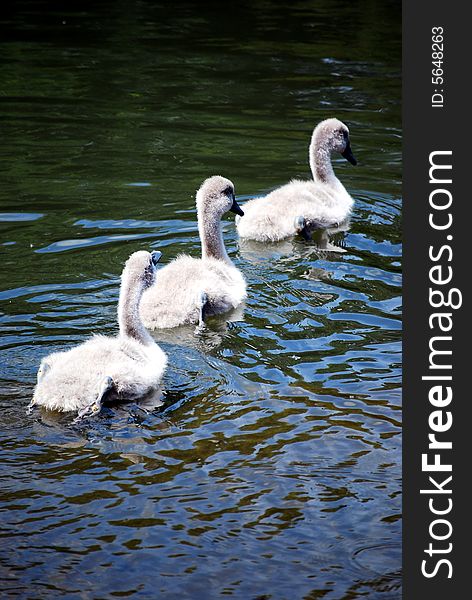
(189, 289)
(126, 367)
(302, 206)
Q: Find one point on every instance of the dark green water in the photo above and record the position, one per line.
(274, 470)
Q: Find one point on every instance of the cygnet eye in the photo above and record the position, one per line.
(228, 191)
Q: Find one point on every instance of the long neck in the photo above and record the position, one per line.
(320, 161)
(128, 312)
(209, 227)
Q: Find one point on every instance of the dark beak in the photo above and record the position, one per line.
(156, 257)
(235, 208)
(348, 155)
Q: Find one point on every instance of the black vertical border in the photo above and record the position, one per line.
(427, 129)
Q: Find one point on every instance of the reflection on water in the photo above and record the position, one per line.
(272, 468)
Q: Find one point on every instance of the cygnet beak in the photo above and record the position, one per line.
(156, 257)
(348, 155)
(235, 208)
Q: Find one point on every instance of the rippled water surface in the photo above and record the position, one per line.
(273, 469)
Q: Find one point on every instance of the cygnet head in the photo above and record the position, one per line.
(140, 268)
(216, 196)
(333, 135)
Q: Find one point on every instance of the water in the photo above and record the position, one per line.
(273, 470)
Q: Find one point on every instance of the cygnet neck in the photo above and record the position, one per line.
(129, 321)
(211, 237)
(320, 159)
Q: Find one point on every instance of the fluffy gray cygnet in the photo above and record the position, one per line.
(189, 289)
(126, 367)
(303, 206)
